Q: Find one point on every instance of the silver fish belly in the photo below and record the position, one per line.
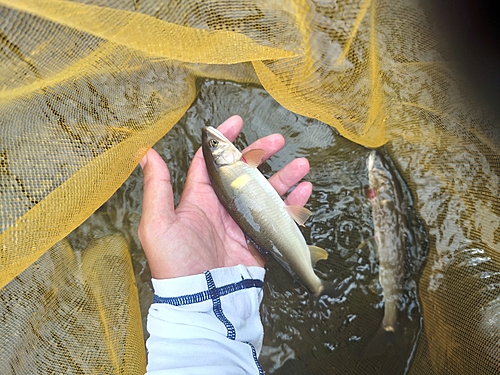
(260, 212)
(268, 223)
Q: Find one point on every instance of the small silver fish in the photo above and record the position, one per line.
(390, 229)
(258, 209)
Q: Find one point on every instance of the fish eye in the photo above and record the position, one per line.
(213, 143)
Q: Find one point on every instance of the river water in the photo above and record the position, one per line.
(301, 336)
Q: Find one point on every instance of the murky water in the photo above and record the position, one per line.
(301, 336)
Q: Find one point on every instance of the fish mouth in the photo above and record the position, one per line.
(370, 162)
(222, 151)
(214, 133)
(376, 161)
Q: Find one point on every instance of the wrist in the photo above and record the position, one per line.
(190, 284)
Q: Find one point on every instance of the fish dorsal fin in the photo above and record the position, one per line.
(317, 253)
(298, 213)
(253, 157)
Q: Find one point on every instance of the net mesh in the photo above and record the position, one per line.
(88, 86)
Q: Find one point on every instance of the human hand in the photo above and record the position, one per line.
(199, 234)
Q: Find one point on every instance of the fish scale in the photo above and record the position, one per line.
(390, 227)
(258, 209)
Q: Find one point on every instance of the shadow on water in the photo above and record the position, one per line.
(301, 336)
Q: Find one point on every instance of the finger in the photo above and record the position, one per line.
(231, 127)
(300, 195)
(271, 144)
(158, 198)
(292, 173)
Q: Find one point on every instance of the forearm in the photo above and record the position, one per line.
(208, 323)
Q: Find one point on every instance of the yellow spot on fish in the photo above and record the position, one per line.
(240, 181)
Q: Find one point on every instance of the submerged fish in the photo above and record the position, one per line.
(259, 210)
(390, 231)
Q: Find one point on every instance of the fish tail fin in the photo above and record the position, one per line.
(383, 340)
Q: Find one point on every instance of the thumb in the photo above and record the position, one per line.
(158, 198)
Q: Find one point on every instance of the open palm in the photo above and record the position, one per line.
(199, 234)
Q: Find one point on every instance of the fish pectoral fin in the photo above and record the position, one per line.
(298, 213)
(317, 253)
(253, 157)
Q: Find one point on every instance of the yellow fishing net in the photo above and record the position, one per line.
(86, 87)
